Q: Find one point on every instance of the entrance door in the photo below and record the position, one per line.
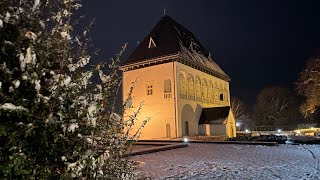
(186, 129)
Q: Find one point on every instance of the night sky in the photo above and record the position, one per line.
(257, 43)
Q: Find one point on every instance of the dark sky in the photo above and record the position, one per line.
(257, 43)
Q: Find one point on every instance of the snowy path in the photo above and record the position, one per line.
(225, 161)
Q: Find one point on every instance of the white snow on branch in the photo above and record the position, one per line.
(115, 117)
(36, 4)
(73, 127)
(16, 83)
(12, 107)
(67, 81)
(7, 17)
(38, 86)
(104, 78)
(65, 35)
(28, 56)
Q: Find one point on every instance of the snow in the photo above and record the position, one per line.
(89, 140)
(36, 4)
(16, 83)
(7, 17)
(65, 35)
(28, 56)
(92, 109)
(67, 81)
(73, 127)
(11, 107)
(63, 158)
(1, 23)
(226, 161)
(104, 78)
(38, 86)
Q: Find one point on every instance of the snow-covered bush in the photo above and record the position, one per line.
(54, 121)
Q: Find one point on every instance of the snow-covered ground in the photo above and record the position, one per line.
(226, 161)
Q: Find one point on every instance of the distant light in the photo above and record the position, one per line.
(247, 131)
(279, 130)
(238, 124)
(185, 139)
(298, 132)
(312, 128)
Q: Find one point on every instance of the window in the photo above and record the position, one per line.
(149, 90)
(221, 97)
(190, 87)
(167, 86)
(198, 89)
(182, 86)
(151, 43)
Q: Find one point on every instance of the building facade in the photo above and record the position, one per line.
(184, 92)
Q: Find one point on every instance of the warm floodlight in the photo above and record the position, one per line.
(247, 131)
(185, 139)
(312, 128)
(298, 132)
(279, 130)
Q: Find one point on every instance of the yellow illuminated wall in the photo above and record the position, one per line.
(176, 112)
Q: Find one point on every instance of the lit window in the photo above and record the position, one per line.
(149, 90)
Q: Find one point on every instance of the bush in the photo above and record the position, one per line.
(54, 121)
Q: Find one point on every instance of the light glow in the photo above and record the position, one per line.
(185, 139)
(247, 131)
(238, 124)
(298, 132)
(279, 130)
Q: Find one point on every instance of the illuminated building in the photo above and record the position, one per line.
(184, 91)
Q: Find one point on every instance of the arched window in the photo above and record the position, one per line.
(211, 92)
(204, 90)
(190, 87)
(182, 86)
(198, 88)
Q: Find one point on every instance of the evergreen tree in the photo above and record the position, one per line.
(54, 121)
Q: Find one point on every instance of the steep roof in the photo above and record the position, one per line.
(167, 35)
(169, 38)
(214, 115)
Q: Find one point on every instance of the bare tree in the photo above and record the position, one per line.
(239, 109)
(276, 106)
(308, 85)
